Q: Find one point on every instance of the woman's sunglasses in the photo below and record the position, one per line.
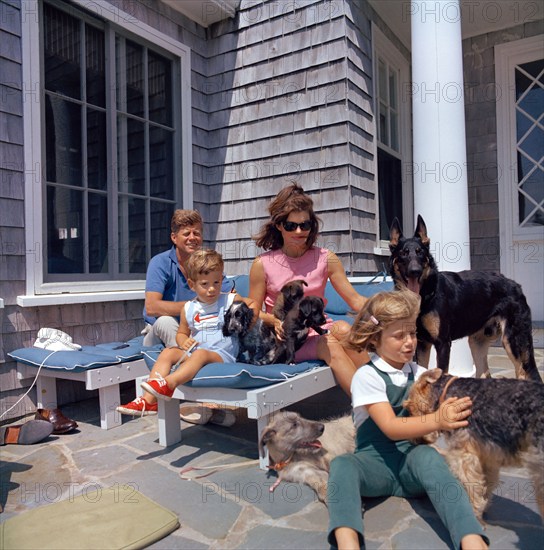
(292, 226)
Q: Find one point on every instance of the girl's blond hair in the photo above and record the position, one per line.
(202, 262)
(378, 313)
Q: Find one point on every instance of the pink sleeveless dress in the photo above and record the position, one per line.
(280, 269)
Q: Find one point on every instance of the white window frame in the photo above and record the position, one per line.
(38, 292)
(384, 48)
(506, 57)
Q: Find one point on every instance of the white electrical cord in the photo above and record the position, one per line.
(31, 385)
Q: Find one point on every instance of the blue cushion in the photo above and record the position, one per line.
(125, 351)
(241, 285)
(238, 375)
(337, 306)
(90, 357)
(369, 289)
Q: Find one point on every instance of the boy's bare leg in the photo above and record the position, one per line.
(164, 363)
(190, 367)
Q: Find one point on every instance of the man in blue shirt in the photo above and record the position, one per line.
(166, 291)
(166, 287)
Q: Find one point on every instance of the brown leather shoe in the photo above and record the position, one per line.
(61, 424)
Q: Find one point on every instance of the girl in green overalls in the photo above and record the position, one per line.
(385, 462)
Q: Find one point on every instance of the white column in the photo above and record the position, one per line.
(439, 156)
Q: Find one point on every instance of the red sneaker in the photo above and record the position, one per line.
(138, 407)
(158, 387)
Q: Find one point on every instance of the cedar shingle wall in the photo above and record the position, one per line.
(289, 97)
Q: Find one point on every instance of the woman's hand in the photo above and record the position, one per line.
(453, 413)
(278, 329)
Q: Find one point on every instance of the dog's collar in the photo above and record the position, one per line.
(448, 384)
(280, 465)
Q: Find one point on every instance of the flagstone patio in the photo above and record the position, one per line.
(233, 508)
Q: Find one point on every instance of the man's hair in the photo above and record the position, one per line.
(203, 262)
(184, 218)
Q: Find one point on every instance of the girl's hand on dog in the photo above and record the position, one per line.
(453, 413)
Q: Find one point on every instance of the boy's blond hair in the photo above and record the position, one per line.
(184, 218)
(203, 262)
(378, 313)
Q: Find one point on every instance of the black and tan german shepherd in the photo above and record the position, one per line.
(477, 304)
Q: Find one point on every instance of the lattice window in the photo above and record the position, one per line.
(529, 83)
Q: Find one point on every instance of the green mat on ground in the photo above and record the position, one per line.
(112, 518)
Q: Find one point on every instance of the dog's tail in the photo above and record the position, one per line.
(517, 336)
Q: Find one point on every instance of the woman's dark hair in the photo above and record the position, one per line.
(290, 199)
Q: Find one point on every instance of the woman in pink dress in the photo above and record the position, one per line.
(289, 238)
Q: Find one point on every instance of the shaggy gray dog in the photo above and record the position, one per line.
(301, 450)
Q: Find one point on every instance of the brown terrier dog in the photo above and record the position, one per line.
(506, 428)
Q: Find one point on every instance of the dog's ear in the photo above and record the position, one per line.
(305, 307)
(296, 289)
(248, 317)
(318, 305)
(226, 321)
(395, 234)
(421, 231)
(266, 436)
(432, 375)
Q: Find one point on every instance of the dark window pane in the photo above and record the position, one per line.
(98, 233)
(533, 144)
(132, 253)
(96, 150)
(390, 191)
(534, 68)
(95, 66)
(161, 163)
(62, 53)
(160, 89)
(383, 125)
(522, 83)
(160, 226)
(133, 77)
(136, 156)
(64, 230)
(63, 141)
(533, 102)
(534, 185)
(523, 123)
